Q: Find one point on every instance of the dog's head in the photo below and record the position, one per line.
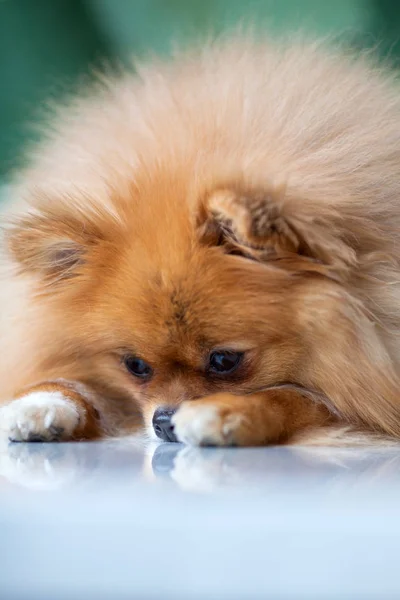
(174, 293)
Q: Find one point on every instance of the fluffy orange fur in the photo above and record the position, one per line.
(244, 195)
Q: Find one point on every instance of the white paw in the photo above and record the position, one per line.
(40, 417)
(204, 425)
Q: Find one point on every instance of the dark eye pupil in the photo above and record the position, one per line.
(138, 367)
(224, 362)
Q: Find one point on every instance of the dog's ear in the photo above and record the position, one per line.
(266, 224)
(52, 244)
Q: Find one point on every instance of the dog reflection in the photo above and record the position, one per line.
(210, 469)
(129, 461)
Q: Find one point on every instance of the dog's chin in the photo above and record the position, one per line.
(149, 429)
(151, 434)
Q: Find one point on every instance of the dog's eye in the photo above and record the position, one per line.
(138, 367)
(224, 362)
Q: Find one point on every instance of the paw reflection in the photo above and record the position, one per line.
(37, 466)
(197, 469)
(204, 470)
(52, 466)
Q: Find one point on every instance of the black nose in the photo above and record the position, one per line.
(162, 424)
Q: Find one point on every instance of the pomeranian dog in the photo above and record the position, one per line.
(208, 248)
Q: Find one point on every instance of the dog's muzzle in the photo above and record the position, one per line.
(162, 425)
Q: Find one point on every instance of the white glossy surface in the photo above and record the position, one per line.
(116, 520)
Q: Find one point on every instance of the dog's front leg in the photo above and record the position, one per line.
(52, 411)
(269, 417)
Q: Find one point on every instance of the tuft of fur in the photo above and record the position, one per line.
(243, 194)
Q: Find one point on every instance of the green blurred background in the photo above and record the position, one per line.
(45, 45)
